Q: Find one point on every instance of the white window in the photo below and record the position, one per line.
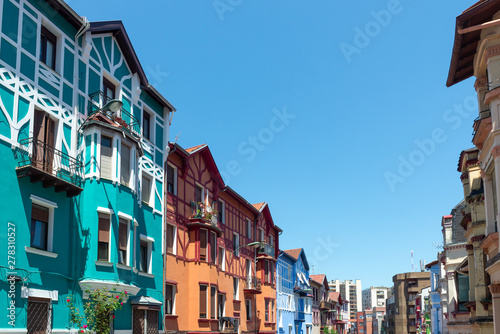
(222, 259)
(236, 244)
(170, 299)
(249, 229)
(236, 288)
(146, 247)
(248, 304)
(171, 239)
(125, 170)
(104, 237)
(42, 225)
(171, 179)
(146, 125)
(123, 242)
(221, 211)
(106, 157)
(146, 189)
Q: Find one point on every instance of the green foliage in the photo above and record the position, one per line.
(98, 310)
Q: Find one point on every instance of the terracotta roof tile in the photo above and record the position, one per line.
(259, 206)
(194, 148)
(295, 253)
(318, 278)
(334, 296)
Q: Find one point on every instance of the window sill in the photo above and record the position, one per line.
(269, 323)
(171, 316)
(103, 263)
(40, 252)
(141, 273)
(123, 267)
(236, 301)
(203, 320)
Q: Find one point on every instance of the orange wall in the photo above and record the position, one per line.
(185, 269)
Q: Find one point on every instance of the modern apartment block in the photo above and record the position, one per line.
(351, 291)
(374, 297)
(221, 251)
(406, 287)
(83, 141)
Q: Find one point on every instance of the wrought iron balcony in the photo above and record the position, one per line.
(43, 163)
(122, 117)
(203, 215)
(252, 285)
(228, 325)
(265, 249)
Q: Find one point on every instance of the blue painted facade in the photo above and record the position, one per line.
(435, 299)
(82, 191)
(294, 300)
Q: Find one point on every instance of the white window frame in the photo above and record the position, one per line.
(50, 228)
(131, 175)
(204, 193)
(128, 219)
(248, 302)
(109, 212)
(150, 242)
(151, 187)
(249, 229)
(152, 124)
(59, 48)
(174, 290)
(236, 240)
(174, 250)
(175, 178)
(222, 252)
(223, 210)
(236, 292)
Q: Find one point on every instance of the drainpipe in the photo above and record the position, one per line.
(83, 28)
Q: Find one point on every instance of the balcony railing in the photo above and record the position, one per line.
(228, 325)
(200, 210)
(300, 316)
(122, 117)
(54, 168)
(266, 249)
(325, 305)
(253, 283)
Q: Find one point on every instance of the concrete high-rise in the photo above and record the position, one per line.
(351, 291)
(374, 297)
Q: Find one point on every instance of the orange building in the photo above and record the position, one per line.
(221, 252)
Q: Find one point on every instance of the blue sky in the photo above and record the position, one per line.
(335, 113)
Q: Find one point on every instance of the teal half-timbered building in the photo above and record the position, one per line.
(83, 145)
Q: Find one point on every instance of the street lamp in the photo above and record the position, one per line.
(252, 244)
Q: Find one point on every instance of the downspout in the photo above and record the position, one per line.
(83, 28)
(164, 230)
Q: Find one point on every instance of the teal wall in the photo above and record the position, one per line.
(26, 83)
(39, 272)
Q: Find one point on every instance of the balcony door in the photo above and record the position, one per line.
(43, 141)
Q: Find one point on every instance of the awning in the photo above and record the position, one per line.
(145, 300)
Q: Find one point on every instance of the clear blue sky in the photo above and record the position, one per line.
(336, 113)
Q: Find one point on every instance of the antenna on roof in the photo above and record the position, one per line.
(422, 265)
(177, 138)
(312, 268)
(412, 268)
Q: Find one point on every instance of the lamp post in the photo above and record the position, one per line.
(253, 244)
